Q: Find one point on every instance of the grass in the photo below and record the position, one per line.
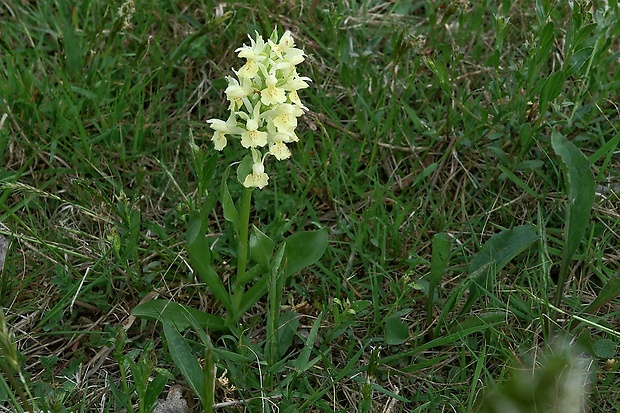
(426, 119)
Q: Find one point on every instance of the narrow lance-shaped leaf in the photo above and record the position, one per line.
(230, 211)
(261, 248)
(177, 314)
(550, 90)
(185, 360)
(610, 290)
(580, 188)
(496, 254)
(439, 262)
(199, 253)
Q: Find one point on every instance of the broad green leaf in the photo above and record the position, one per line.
(439, 262)
(154, 389)
(244, 168)
(254, 272)
(185, 360)
(550, 90)
(545, 44)
(395, 330)
(288, 324)
(178, 315)
(525, 139)
(577, 60)
(360, 305)
(261, 248)
(230, 211)
(136, 369)
(208, 170)
(580, 187)
(494, 255)
(605, 348)
(199, 252)
(545, 41)
(274, 298)
(583, 34)
(304, 249)
(442, 74)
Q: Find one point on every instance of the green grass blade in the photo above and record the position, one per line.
(302, 363)
(518, 181)
(261, 248)
(439, 262)
(610, 290)
(609, 147)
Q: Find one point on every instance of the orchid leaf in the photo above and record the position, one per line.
(179, 315)
(304, 249)
(261, 248)
(199, 251)
(185, 360)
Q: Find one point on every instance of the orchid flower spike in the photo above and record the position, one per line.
(264, 103)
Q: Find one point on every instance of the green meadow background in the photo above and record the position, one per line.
(463, 157)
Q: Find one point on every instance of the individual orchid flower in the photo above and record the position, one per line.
(223, 128)
(236, 91)
(252, 137)
(296, 82)
(284, 116)
(278, 147)
(254, 54)
(257, 178)
(255, 51)
(285, 43)
(272, 94)
(293, 97)
(290, 59)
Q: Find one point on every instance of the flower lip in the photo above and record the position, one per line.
(219, 140)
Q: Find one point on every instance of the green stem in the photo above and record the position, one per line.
(272, 322)
(17, 387)
(242, 249)
(209, 381)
